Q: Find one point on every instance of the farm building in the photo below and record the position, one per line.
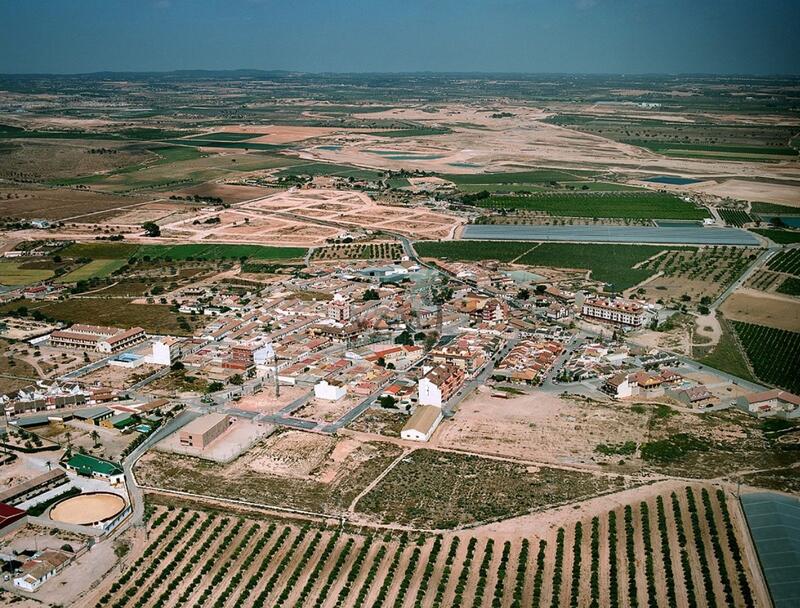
(41, 567)
(201, 432)
(90, 466)
(11, 518)
(422, 423)
(95, 415)
(771, 403)
(33, 487)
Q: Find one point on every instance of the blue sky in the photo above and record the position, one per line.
(588, 36)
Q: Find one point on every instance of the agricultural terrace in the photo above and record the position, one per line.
(359, 251)
(676, 548)
(181, 252)
(619, 265)
(773, 354)
(626, 205)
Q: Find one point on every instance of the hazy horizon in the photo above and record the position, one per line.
(585, 37)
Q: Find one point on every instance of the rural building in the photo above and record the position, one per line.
(91, 466)
(11, 519)
(43, 396)
(640, 383)
(329, 391)
(422, 423)
(199, 433)
(774, 402)
(618, 311)
(94, 415)
(41, 567)
(439, 384)
(33, 487)
(697, 396)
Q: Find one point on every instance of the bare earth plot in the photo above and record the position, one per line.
(770, 309)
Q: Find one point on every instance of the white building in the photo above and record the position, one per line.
(166, 351)
(614, 310)
(339, 308)
(439, 384)
(329, 391)
(422, 424)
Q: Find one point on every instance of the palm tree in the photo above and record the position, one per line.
(95, 437)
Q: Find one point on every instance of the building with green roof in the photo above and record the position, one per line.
(91, 466)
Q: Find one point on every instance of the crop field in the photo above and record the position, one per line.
(153, 318)
(615, 264)
(734, 217)
(782, 237)
(442, 490)
(181, 252)
(767, 209)
(704, 272)
(679, 548)
(94, 269)
(516, 177)
(790, 286)
(15, 273)
(473, 251)
(787, 261)
(773, 353)
(650, 205)
(410, 132)
(359, 251)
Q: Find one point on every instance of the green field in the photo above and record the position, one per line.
(734, 217)
(773, 353)
(790, 286)
(644, 205)
(678, 149)
(116, 312)
(787, 261)
(767, 208)
(727, 356)
(608, 263)
(95, 269)
(13, 274)
(473, 251)
(224, 136)
(219, 252)
(219, 143)
(209, 251)
(516, 177)
(784, 237)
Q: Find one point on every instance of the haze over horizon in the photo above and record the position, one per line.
(491, 36)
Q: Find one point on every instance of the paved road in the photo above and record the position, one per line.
(135, 494)
(756, 265)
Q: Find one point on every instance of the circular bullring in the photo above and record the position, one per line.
(93, 509)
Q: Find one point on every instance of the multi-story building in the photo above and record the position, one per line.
(614, 310)
(339, 308)
(438, 385)
(99, 338)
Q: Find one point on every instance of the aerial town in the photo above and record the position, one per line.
(447, 341)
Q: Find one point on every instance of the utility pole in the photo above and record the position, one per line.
(277, 382)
